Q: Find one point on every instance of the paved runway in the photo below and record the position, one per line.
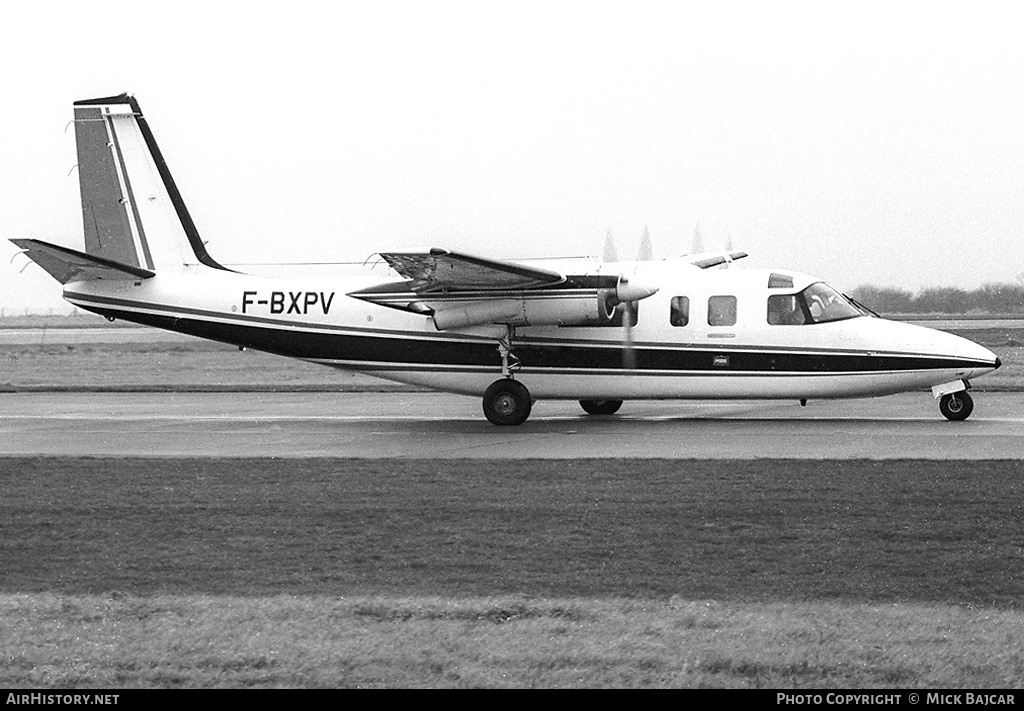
(436, 425)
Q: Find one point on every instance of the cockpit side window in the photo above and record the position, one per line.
(826, 304)
(818, 303)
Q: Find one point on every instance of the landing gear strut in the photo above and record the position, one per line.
(956, 406)
(506, 401)
(509, 361)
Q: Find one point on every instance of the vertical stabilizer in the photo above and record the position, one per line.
(131, 209)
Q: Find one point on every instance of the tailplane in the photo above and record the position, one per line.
(132, 212)
(67, 265)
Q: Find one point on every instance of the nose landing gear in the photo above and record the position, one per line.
(956, 406)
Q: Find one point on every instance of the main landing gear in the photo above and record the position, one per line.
(601, 407)
(507, 401)
(956, 406)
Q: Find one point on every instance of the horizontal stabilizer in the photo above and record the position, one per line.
(67, 265)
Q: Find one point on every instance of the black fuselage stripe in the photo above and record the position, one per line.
(106, 303)
(373, 349)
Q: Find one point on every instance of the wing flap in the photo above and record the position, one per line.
(441, 270)
(67, 265)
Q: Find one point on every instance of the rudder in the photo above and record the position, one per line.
(132, 211)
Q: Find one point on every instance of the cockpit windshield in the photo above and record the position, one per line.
(818, 303)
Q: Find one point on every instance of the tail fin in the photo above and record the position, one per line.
(132, 211)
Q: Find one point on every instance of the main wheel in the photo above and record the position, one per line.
(956, 406)
(507, 402)
(601, 407)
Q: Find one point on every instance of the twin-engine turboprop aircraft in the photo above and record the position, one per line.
(511, 332)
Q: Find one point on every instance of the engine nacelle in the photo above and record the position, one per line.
(526, 310)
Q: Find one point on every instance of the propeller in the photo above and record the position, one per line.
(628, 351)
(628, 291)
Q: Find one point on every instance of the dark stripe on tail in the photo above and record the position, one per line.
(184, 217)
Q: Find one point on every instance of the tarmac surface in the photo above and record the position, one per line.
(436, 425)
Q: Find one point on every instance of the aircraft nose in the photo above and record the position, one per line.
(999, 362)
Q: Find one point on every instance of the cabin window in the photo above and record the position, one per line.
(680, 311)
(722, 311)
(780, 281)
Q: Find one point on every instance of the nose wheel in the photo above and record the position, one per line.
(956, 406)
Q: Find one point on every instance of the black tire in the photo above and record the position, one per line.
(601, 407)
(956, 406)
(507, 402)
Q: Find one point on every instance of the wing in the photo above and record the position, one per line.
(459, 290)
(706, 260)
(441, 270)
(66, 265)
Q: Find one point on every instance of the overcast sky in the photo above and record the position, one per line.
(861, 142)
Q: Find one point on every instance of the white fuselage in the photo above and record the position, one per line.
(699, 356)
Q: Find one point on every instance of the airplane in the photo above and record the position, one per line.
(509, 332)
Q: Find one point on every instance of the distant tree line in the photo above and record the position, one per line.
(988, 299)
